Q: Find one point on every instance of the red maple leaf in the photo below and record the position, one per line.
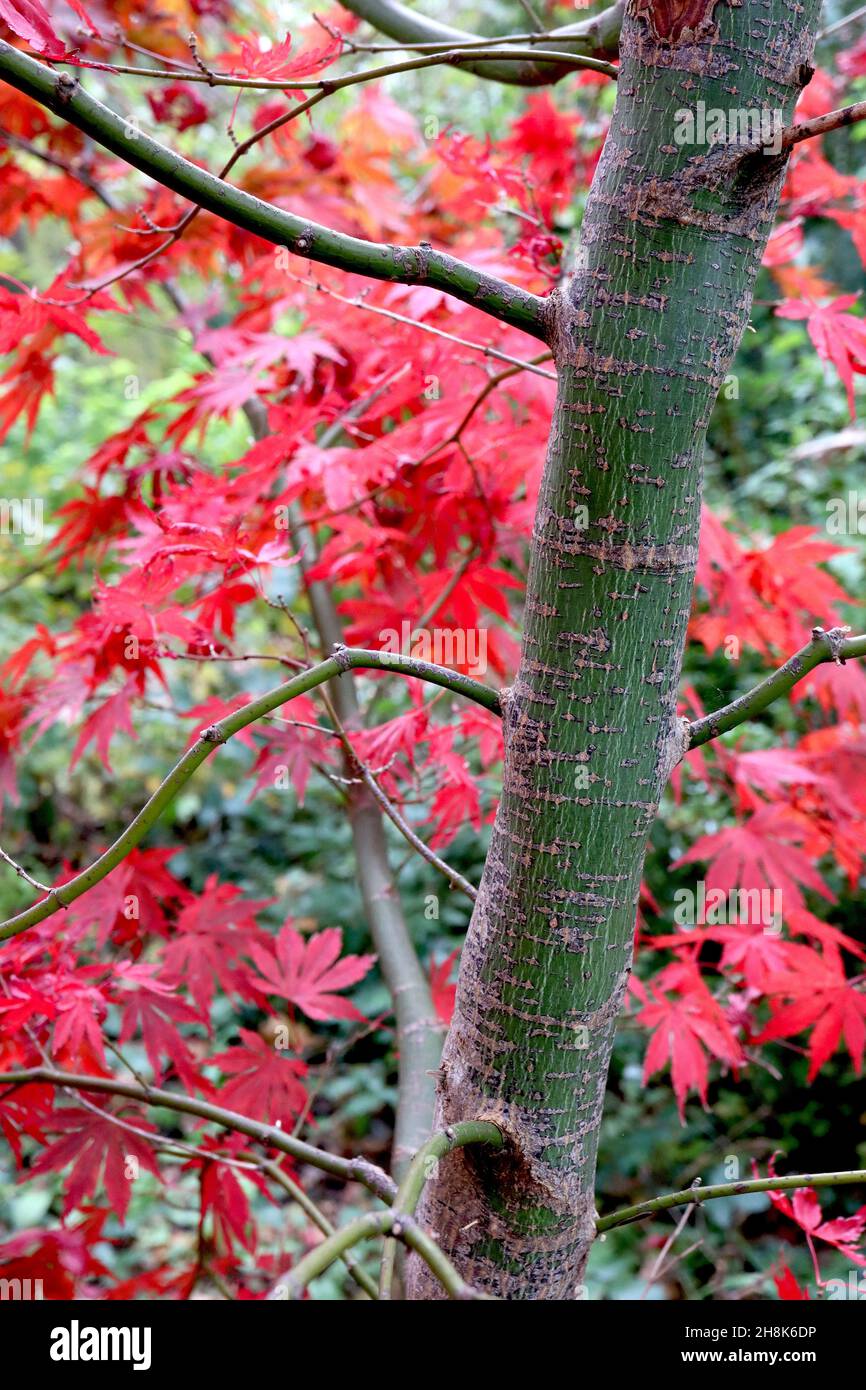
(210, 935)
(844, 1233)
(266, 1084)
(153, 1007)
(817, 995)
(61, 1259)
(100, 1147)
(309, 974)
(787, 1287)
(29, 20)
(761, 853)
(839, 337)
(688, 1029)
(275, 62)
(444, 993)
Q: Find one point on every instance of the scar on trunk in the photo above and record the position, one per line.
(673, 20)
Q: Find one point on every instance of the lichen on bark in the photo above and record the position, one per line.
(644, 330)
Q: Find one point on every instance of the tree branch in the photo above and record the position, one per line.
(421, 1169)
(824, 646)
(699, 1194)
(820, 125)
(412, 265)
(318, 1218)
(399, 1222)
(454, 55)
(345, 659)
(597, 37)
(373, 1224)
(349, 1169)
(363, 772)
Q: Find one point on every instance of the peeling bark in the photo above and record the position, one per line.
(644, 332)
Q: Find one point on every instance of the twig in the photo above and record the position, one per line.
(345, 659)
(824, 646)
(419, 1172)
(641, 1210)
(820, 125)
(22, 873)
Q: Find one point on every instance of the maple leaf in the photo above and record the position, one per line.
(290, 752)
(99, 1147)
(787, 1287)
(839, 337)
(209, 936)
(60, 1259)
(224, 1200)
(81, 1011)
(444, 993)
(688, 1029)
(31, 378)
(819, 997)
(762, 853)
(256, 60)
(29, 20)
(844, 1233)
(266, 1084)
(309, 974)
(750, 950)
(113, 716)
(178, 105)
(153, 1007)
(133, 901)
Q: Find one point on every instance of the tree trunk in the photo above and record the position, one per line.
(644, 332)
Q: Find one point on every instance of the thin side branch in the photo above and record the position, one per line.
(349, 1169)
(411, 265)
(597, 37)
(824, 646)
(419, 1172)
(641, 1210)
(820, 125)
(319, 1219)
(455, 55)
(344, 659)
(363, 1228)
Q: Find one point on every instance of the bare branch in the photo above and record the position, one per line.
(824, 646)
(697, 1194)
(820, 125)
(349, 1169)
(598, 37)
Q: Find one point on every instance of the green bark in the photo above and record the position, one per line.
(644, 333)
